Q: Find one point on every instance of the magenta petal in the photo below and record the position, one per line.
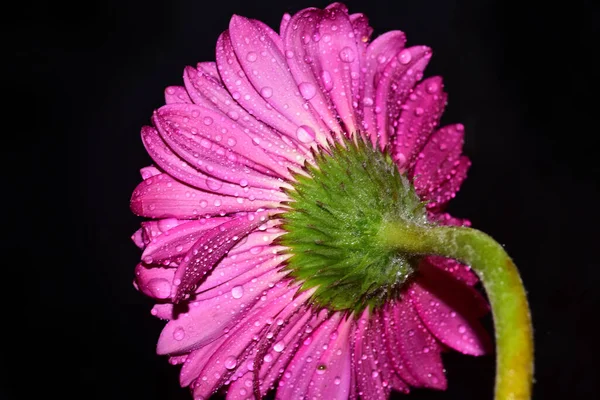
(368, 374)
(176, 94)
(418, 349)
(265, 67)
(332, 378)
(193, 134)
(450, 310)
(196, 361)
(439, 163)
(235, 278)
(178, 240)
(242, 90)
(164, 197)
(419, 117)
(395, 84)
(209, 249)
(292, 333)
(187, 330)
(244, 128)
(379, 54)
(233, 353)
(154, 281)
(298, 50)
(183, 171)
(285, 21)
(209, 68)
(459, 271)
(448, 188)
(299, 373)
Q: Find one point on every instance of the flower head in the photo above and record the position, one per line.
(275, 168)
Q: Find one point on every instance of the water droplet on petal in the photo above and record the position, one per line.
(307, 90)
(178, 334)
(279, 346)
(251, 56)
(337, 380)
(462, 329)
(237, 292)
(305, 134)
(327, 80)
(347, 55)
(432, 87)
(404, 57)
(207, 121)
(266, 92)
(214, 184)
(230, 362)
(321, 368)
(289, 54)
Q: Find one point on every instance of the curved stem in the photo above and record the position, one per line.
(501, 280)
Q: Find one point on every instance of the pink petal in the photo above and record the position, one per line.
(297, 42)
(450, 310)
(299, 373)
(332, 378)
(176, 94)
(446, 191)
(292, 333)
(164, 197)
(439, 158)
(418, 349)
(183, 171)
(266, 69)
(196, 361)
(187, 330)
(368, 374)
(420, 115)
(149, 172)
(242, 90)
(177, 241)
(379, 54)
(231, 356)
(395, 84)
(244, 128)
(163, 311)
(208, 251)
(138, 239)
(154, 281)
(241, 388)
(313, 52)
(209, 68)
(235, 279)
(285, 21)
(192, 133)
(459, 271)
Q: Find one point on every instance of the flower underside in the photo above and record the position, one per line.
(337, 209)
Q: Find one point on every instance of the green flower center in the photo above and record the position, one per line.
(334, 226)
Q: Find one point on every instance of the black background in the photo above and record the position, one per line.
(83, 78)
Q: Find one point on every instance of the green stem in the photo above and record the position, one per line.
(501, 280)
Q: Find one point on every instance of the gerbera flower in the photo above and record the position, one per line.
(289, 179)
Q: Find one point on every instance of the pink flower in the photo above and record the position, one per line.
(229, 147)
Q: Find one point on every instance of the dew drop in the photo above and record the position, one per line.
(289, 54)
(307, 90)
(337, 380)
(244, 183)
(251, 56)
(327, 80)
(432, 87)
(404, 57)
(230, 362)
(178, 334)
(347, 55)
(237, 292)
(279, 346)
(266, 92)
(214, 184)
(321, 368)
(462, 329)
(207, 121)
(305, 134)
